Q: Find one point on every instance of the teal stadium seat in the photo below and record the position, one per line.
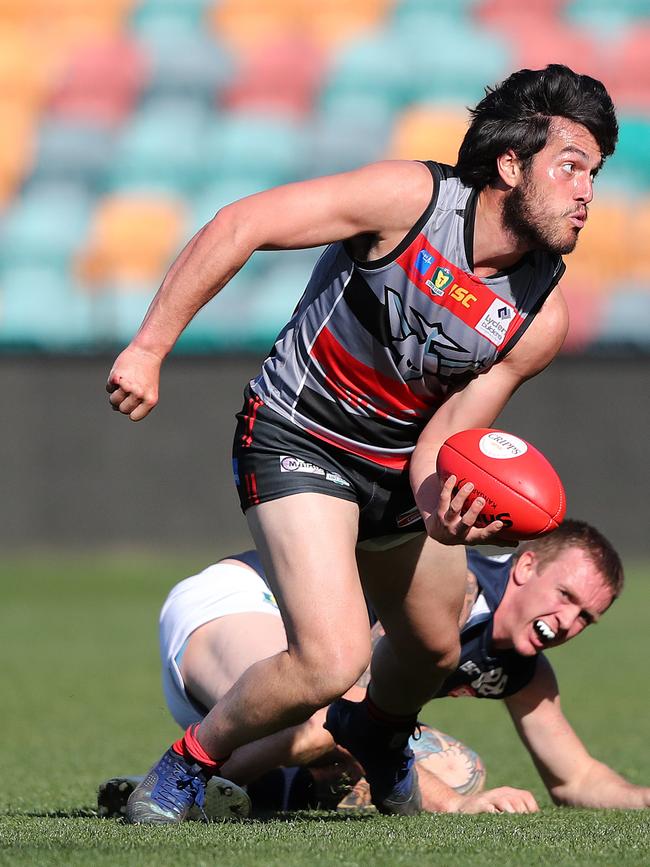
(42, 309)
(72, 150)
(161, 148)
(185, 62)
(264, 149)
(606, 18)
(625, 321)
(629, 167)
(44, 226)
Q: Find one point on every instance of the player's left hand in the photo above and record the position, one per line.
(450, 523)
(502, 800)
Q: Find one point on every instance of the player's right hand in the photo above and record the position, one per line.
(133, 382)
(502, 800)
(451, 523)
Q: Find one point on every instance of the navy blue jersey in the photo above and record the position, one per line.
(482, 672)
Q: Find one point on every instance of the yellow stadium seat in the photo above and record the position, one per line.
(424, 133)
(132, 238)
(603, 252)
(17, 129)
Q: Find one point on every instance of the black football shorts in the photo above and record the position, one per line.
(273, 458)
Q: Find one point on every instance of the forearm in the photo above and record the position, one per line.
(437, 797)
(601, 788)
(209, 260)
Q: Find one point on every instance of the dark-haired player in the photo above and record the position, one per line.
(435, 299)
(214, 624)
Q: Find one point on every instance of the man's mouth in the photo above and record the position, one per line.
(544, 631)
(579, 218)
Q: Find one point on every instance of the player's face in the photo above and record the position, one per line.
(555, 603)
(548, 208)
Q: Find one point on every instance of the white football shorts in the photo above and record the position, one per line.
(221, 589)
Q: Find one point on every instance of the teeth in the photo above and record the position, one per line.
(544, 630)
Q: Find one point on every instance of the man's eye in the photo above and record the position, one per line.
(568, 167)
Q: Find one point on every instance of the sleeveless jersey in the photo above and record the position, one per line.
(481, 672)
(374, 348)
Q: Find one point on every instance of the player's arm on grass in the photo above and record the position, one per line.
(477, 405)
(379, 202)
(572, 776)
(438, 797)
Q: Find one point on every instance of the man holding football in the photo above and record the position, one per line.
(435, 299)
(217, 623)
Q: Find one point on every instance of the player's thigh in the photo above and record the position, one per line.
(220, 651)
(417, 590)
(306, 542)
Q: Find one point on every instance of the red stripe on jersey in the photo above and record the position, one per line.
(391, 462)
(360, 385)
(465, 295)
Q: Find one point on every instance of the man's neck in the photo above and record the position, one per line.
(495, 247)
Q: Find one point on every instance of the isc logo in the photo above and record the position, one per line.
(463, 296)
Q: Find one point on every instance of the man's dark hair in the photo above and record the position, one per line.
(517, 114)
(578, 534)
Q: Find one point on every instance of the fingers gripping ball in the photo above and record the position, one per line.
(518, 484)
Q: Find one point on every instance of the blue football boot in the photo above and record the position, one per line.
(384, 754)
(168, 792)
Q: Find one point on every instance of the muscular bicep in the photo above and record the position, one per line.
(558, 753)
(382, 199)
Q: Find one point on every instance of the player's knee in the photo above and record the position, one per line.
(333, 670)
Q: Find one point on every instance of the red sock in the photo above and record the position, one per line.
(191, 750)
(392, 721)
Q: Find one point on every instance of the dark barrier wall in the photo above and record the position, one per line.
(76, 473)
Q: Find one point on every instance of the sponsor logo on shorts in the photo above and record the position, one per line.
(235, 470)
(412, 516)
(289, 464)
(337, 479)
(442, 277)
(269, 598)
(495, 321)
(502, 445)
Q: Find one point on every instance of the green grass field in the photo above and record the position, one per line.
(81, 702)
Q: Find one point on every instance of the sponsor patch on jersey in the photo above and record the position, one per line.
(290, 464)
(442, 278)
(411, 516)
(423, 262)
(501, 446)
(496, 321)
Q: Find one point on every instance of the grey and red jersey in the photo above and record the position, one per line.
(374, 348)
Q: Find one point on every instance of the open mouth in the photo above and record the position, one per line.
(544, 631)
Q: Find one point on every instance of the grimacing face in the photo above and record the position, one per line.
(548, 207)
(549, 605)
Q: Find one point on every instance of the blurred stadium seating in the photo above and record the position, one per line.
(125, 124)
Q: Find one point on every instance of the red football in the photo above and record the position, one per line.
(519, 485)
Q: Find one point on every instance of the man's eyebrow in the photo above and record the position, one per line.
(572, 149)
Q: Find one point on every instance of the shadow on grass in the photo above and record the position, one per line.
(257, 817)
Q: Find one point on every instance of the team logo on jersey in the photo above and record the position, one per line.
(495, 322)
(420, 347)
(442, 277)
(423, 262)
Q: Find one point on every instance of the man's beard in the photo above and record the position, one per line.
(521, 217)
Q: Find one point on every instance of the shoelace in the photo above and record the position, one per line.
(181, 779)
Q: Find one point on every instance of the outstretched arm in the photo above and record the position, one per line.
(379, 201)
(572, 777)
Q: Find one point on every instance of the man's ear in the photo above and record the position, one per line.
(509, 168)
(524, 568)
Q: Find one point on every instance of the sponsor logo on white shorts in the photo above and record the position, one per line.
(495, 322)
(501, 445)
(289, 464)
